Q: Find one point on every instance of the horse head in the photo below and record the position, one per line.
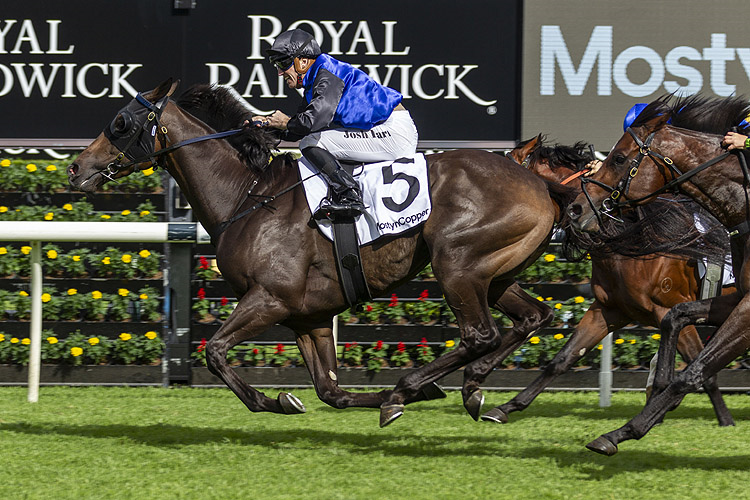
(126, 144)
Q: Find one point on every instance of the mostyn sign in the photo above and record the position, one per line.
(586, 63)
(66, 68)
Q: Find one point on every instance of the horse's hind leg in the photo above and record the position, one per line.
(528, 315)
(319, 351)
(255, 312)
(592, 328)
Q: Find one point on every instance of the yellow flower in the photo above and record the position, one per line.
(125, 212)
(23, 293)
(96, 295)
(94, 340)
(2, 337)
(105, 216)
(600, 347)
(152, 336)
(67, 207)
(579, 300)
(534, 340)
(619, 341)
(558, 336)
(632, 341)
(26, 250)
(144, 254)
(14, 340)
(127, 258)
(26, 341)
(106, 261)
(72, 291)
(76, 258)
(143, 296)
(3, 209)
(31, 167)
(123, 292)
(46, 297)
(5, 163)
(656, 336)
(148, 171)
(145, 213)
(50, 168)
(450, 343)
(49, 216)
(558, 306)
(52, 340)
(540, 299)
(3, 250)
(548, 299)
(549, 257)
(52, 254)
(125, 336)
(76, 351)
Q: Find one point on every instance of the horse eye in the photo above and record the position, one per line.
(619, 159)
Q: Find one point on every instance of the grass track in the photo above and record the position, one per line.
(150, 443)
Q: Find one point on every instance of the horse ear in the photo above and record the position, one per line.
(165, 88)
(173, 88)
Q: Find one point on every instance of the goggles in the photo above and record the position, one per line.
(284, 62)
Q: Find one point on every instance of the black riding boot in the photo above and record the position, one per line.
(347, 196)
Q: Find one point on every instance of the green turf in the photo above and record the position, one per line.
(150, 443)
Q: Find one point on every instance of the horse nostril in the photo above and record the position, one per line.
(73, 169)
(574, 211)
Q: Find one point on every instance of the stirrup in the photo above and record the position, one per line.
(331, 210)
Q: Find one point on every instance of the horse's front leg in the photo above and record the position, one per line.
(528, 315)
(729, 341)
(256, 311)
(713, 311)
(592, 328)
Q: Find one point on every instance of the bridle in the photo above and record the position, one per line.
(134, 132)
(614, 201)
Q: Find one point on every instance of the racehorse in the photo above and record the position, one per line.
(655, 155)
(490, 219)
(625, 289)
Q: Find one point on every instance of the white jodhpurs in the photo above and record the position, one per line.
(394, 138)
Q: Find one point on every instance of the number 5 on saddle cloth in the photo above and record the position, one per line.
(396, 197)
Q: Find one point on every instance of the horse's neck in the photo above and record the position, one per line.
(209, 173)
(720, 188)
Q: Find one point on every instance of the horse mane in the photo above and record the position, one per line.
(574, 157)
(222, 108)
(700, 113)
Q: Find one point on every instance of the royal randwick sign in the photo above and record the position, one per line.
(65, 69)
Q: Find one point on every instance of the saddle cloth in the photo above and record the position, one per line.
(396, 196)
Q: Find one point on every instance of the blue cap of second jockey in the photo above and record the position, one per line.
(632, 114)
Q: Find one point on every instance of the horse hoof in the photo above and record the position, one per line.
(433, 391)
(495, 415)
(291, 404)
(389, 413)
(602, 445)
(473, 404)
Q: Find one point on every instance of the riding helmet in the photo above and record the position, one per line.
(291, 44)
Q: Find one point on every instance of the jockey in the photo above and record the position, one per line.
(345, 115)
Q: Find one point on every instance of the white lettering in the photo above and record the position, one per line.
(416, 82)
(7, 80)
(388, 51)
(214, 73)
(719, 54)
(81, 81)
(256, 37)
(118, 80)
(37, 78)
(554, 49)
(53, 38)
(27, 34)
(258, 78)
(620, 71)
(454, 82)
(363, 35)
(692, 75)
(8, 25)
(335, 49)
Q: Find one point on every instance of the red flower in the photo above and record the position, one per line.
(224, 301)
(204, 263)
(423, 296)
(379, 345)
(256, 351)
(202, 345)
(201, 293)
(279, 348)
(394, 301)
(423, 343)
(369, 308)
(401, 347)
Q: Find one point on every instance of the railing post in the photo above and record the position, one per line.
(35, 335)
(605, 372)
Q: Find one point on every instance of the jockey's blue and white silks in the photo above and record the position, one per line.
(363, 104)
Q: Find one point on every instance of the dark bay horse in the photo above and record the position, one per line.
(651, 157)
(626, 289)
(490, 219)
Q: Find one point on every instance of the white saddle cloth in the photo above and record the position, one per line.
(395, 194)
